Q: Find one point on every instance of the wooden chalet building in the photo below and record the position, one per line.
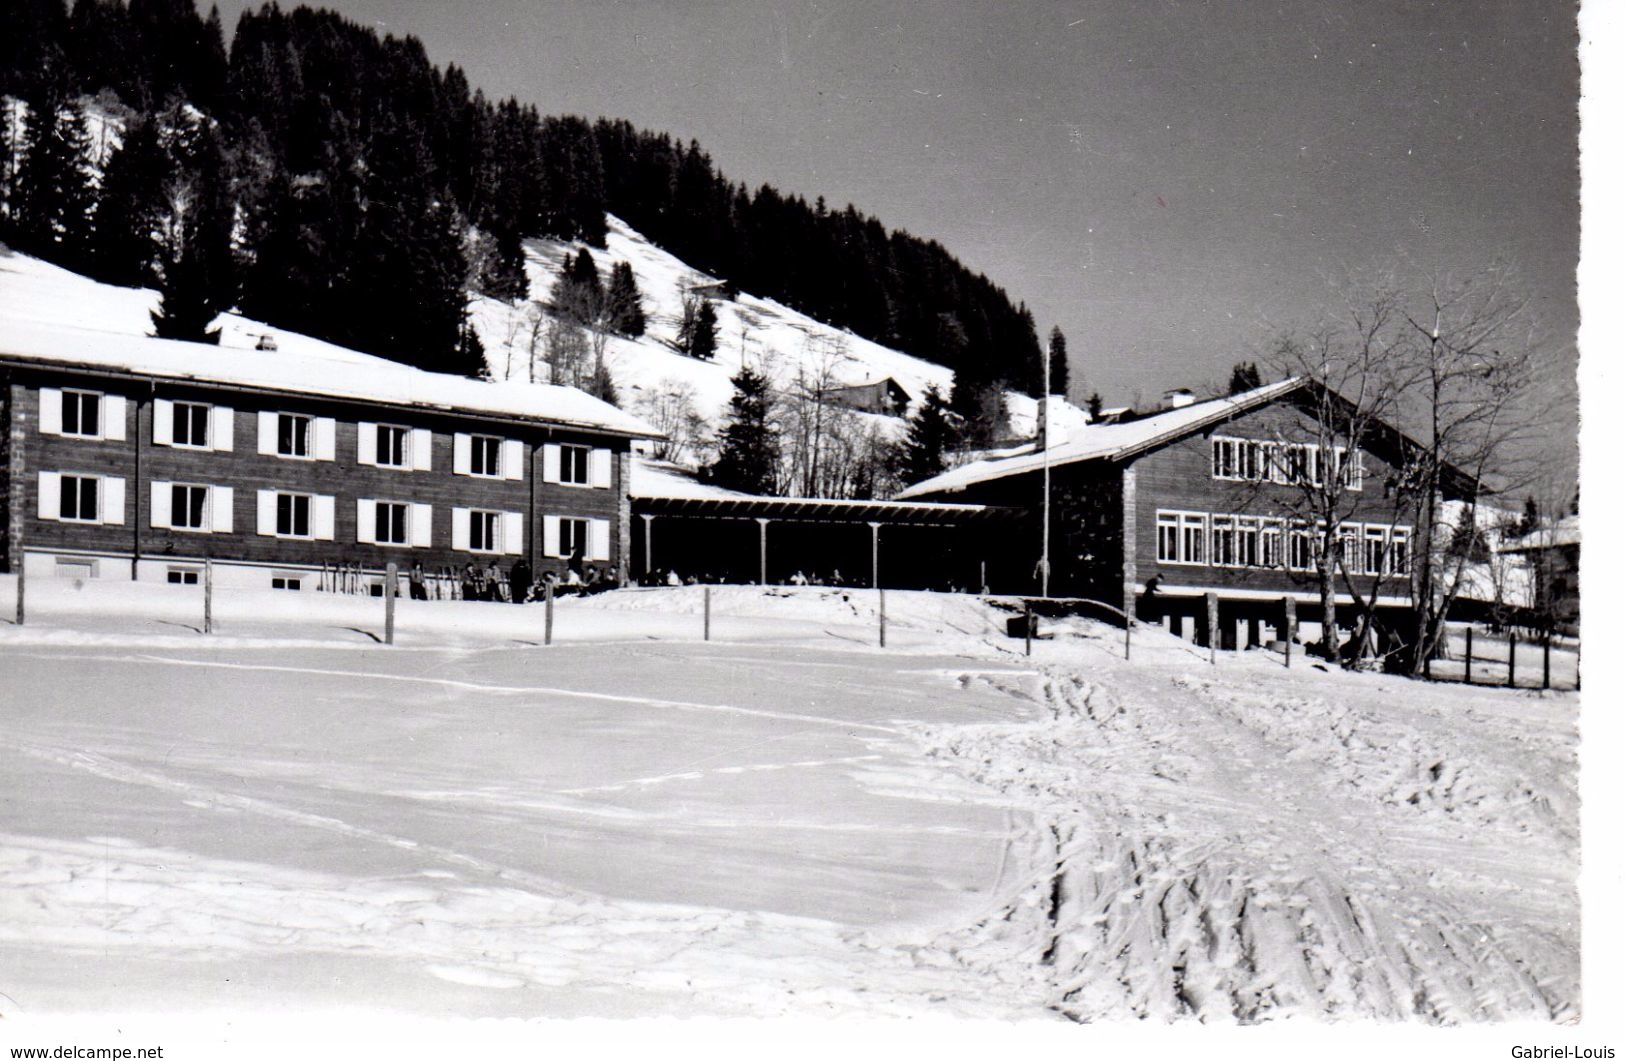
(138, 458)
(1160, 512)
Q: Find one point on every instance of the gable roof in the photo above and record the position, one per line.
(1106, 441)
(330, 372)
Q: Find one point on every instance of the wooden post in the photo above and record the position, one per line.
(874, 555)
(1289, 626)
(1468, 673)
(1212, 628)
(984, 578)
(1546, 660)
(648, 545)
(761, 578)
(208, 596)
(1128, 617)
(22, 581)
(389, 604)
(1027, 624)
(707, 596)
(1512, 658)
(547, 621)
(882, 617)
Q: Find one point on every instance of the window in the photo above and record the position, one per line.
(485, 455)
(573, 537)
(1348, 547)
(392, 447)
(1269, 542)
(284, 582)
(189, 507)
(1224, 541)
(293, 515)
(78, 499)
(1399, 551)
(1168, 537)
(1376, 550)
(183, 576)
(1247, 541)
(81, 414)
(484, 532)
(292, 435)
(389, 522)
(573, 465)
(1300, 548)
(190, 425)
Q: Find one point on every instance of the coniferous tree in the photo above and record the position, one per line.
(1095, 405)
(924, 450)
(1060, 373)
(129, 210)
(54, 200)
(703, 342)
(186, 305)
(504, 276)
(1244, 376)
(747, 447)
(625, 302)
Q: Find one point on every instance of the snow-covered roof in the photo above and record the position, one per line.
(663, 479)
(1565, 532)
(1097, 441)
(331, 373)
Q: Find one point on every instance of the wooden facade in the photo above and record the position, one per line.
(117, 473)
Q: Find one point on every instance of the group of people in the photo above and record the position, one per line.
(520, 585)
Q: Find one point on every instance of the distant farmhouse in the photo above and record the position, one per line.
(129, 457)
(884, 396)
(1552, 556)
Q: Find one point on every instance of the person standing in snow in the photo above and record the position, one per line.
(493, 582)
(415, 582)
(471, 582)
(520, 580)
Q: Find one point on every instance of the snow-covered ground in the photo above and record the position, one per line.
(788, 819)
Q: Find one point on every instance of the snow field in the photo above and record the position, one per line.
(791, 822)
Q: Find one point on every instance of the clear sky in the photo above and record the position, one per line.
(1172, 182)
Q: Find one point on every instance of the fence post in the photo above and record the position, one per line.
(1512, 658)
(1128, 618)
(547, 621)
(1027, 624)
(1212, 628)
(1546, 660)
(22, 580)
(389, 604)
(882, 618)
(1468, 672)
(1289, 626)
(707, 596)
(208, 596)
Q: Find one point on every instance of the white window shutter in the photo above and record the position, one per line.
(513, 533)
(462, 448)
(50, 494)
(513, 459)
(113, 500)
(222, 428)
(321, 517)
(50, 412)
(422, 449)
(161, 497)
(366, 521)
(221, 499)
(366, 443)
(113, 417)
(326, 438)
(268, 433)
(420, 524)
(266, 507)
(550, 462)
(598, 539)
(163, 422)
(598, 467)
(550, 535)
(459, 529)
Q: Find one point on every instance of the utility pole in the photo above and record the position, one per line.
(1043, 440)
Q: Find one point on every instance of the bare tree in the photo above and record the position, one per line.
(808, 412)
(1356, 364)
(1471, 406)
(670, 408)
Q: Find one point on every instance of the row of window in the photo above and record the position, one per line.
(1254, 460)
(296, 436)
(1230, 540)
(205, 508)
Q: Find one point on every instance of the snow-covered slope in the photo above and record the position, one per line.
(767, 334)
